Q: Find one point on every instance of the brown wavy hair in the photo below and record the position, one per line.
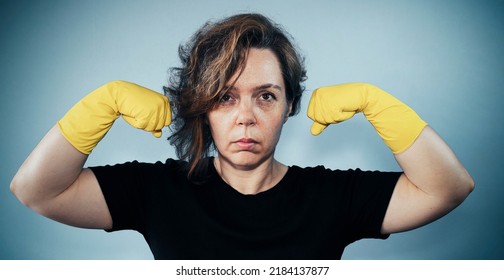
(209, 59)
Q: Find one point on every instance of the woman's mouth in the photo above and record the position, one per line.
(245, 144)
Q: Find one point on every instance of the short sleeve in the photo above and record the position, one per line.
(367, 196)
(121, 184)
(128, 189)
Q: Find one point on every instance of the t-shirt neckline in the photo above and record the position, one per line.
(217, 181)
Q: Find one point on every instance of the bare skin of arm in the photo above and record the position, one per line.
(53, 182)
(434, 183)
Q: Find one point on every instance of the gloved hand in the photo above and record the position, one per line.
(396, 123)
(87, 122)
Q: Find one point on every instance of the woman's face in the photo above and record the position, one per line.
(248, 120)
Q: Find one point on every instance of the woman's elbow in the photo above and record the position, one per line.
(469, 185)
(18, 189)
(464, 187)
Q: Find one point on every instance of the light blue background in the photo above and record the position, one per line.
(443, 58)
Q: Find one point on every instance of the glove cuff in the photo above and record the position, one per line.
(396, 123)
(87, 122)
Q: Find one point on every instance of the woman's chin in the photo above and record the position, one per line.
(244, 160)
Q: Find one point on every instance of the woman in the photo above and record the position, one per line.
(240, 80)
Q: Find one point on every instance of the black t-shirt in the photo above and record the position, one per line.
(312, 213)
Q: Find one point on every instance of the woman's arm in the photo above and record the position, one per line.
(434, 183)
(52, 182)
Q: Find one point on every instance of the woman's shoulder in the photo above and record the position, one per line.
(136, 167)
(321, 169)
(318, 173)
(321, 174)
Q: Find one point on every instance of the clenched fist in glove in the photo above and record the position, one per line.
(396, 123)
(87, 122)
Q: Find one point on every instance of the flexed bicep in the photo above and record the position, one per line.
(433, 184)
(81, 205)
(53, 182)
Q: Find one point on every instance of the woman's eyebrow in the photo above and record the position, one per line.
(260, 87)
(266, 86)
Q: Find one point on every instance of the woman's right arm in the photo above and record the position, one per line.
(53, 182)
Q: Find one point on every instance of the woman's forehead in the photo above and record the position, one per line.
(261, 70)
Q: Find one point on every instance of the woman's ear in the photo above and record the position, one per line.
(289, 110)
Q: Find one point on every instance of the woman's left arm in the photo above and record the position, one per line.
(434, 183)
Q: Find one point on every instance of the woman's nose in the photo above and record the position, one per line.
(246, 114)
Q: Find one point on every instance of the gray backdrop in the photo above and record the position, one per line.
(443, 58)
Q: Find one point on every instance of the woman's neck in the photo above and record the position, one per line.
(251, 181)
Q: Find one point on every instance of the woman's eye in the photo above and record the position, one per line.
(267, 96)
(225, 98)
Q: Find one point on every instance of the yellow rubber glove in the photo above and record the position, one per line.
(396, 123)
(87, 122)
